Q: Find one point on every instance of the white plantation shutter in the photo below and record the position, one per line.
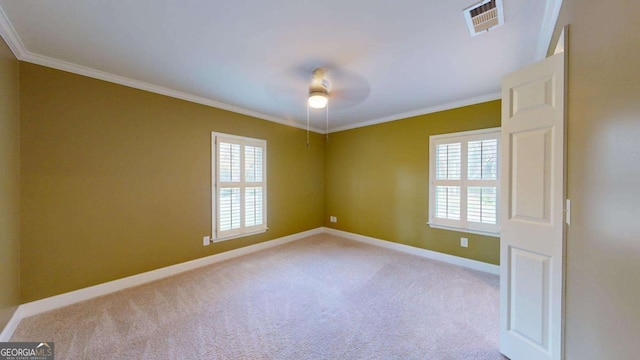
(448, 173)
(253, 160)
(482, 204)
(229, 161)
(448, 161)
(229, 203)
(448, 202)
(463, 191)
(228, 191)
(239, 186)
(482, 161)
(482, 180)
(253, 206)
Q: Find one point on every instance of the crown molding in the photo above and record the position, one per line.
(121, 80)
(429, 110)
(551, 13)
(14, 42)
(141, 85)
(10, 36)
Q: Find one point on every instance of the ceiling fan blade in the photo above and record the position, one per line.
(288, 86)
(347, 89)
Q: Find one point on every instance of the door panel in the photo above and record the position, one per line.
(530, 171)
(532, 95)
(532, 227)
(529, 308)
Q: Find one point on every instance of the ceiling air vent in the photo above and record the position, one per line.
(483, 16)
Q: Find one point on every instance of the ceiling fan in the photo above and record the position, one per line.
(318, 97)
(314, 86)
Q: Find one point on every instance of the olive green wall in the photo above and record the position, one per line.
(603, 240)
(377, 181)
(116, 181)
(9, 184)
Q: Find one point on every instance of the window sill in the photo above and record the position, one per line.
(235, 236)
(470, 231)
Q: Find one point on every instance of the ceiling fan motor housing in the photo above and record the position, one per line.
(318, 83)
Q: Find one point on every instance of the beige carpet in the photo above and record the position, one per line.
(318, 298)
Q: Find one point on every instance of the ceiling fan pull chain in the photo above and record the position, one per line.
(327, 126)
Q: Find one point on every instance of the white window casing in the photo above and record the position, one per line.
(464, 181)
(239, 186)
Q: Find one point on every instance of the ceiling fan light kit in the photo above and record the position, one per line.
(318, 99)
(318, 90)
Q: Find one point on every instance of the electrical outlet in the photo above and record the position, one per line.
(464, 242)
(206, 241)
(333, 219)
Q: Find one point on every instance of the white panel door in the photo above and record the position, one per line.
(532, 226)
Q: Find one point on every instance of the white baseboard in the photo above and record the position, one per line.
(58, 301)
(11, 326)
(451, 259)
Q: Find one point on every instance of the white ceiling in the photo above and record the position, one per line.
(385, 59)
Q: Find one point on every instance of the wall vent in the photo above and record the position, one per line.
(484, 16)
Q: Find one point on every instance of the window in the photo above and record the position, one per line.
(239, 191)
(464, 181)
